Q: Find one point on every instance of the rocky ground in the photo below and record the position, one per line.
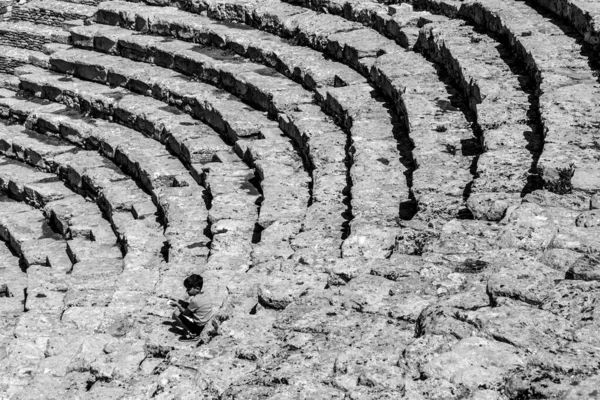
(386, 201)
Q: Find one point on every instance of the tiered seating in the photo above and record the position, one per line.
(304, 65)
(356, 45)
(322, 150)
(313, 164)
(91, 175)
(563, 77)
(207, 99)
(455, 46)
(159, 174)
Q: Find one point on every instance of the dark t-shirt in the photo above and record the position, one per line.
(201, 307)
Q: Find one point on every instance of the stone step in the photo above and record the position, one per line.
(27, 35)
(89, 174)
(264, 90)
(568, 87)
(497, 96)
(301, 64)
(28, 234)
(53, 12)
(171, 84)
(14, 57)
(416, 96)
(321, 143)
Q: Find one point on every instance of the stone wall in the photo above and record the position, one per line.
(24, 40)
(49, 17)
(9, 63)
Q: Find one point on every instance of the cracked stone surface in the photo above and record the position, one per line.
(385, 201)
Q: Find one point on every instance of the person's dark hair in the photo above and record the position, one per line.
(193, 281)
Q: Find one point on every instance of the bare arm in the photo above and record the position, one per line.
(183, 310)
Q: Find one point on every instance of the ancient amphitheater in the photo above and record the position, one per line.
(387, 201)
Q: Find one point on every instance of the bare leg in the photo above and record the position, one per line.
(182, 322)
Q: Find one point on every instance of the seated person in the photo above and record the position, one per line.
(192, 316)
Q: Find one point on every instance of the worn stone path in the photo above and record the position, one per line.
(385, 201)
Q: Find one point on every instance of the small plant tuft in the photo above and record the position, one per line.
(563, 185)
(451, 149)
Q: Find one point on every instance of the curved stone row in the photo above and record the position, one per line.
(303, 65)
(157, 171)
(13, 57)
(568, 87)
(90, 175)
(129, 15)
(187, 223)
(321, 142)
(221, 105)
(499, 98)
(427, 115)
(455, 46)
(325, 149)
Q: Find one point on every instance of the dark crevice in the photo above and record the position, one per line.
(257, 233)
(164, 251)
(409, 207)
